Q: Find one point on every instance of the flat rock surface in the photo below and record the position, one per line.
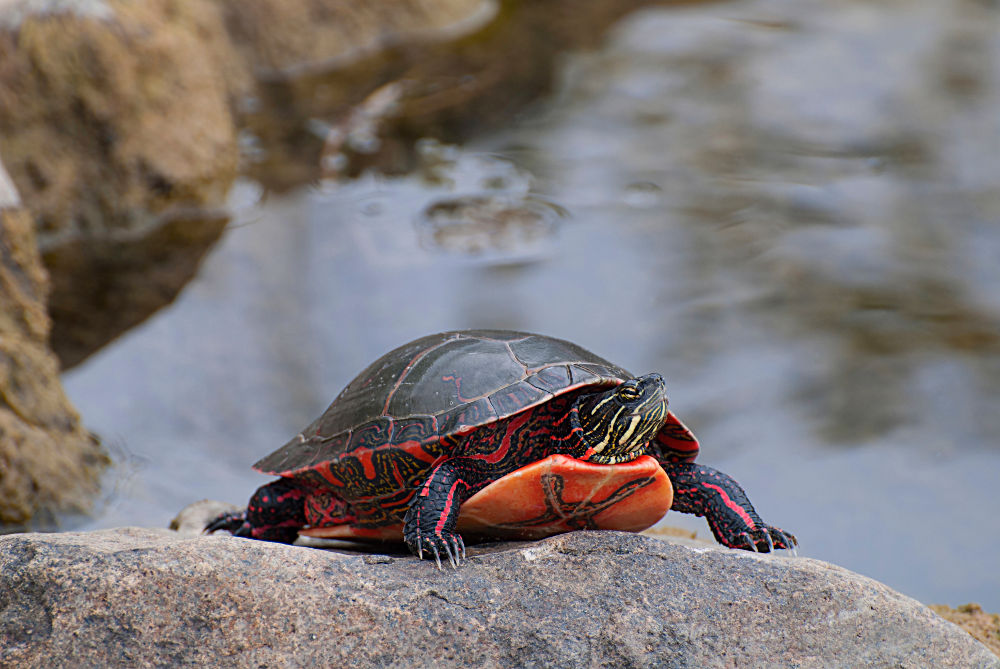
(140, 597)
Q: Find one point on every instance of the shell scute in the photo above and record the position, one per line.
(438, 384)
(417, 429)
(534, 351)
(467, 416)
(511, 399)
(551, 379)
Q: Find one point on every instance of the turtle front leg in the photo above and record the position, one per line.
(704, 491)
(276, 512)
(429, 524)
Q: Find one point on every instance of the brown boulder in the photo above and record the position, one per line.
(116, 128)
(48, 462)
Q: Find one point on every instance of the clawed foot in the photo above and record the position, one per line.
(430, 538)
(234, 522)
(763, 539)
(429, 523)
(443, 543)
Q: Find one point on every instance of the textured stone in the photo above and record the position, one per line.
(48, 462)
(141, 597)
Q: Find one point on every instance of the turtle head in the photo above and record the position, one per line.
(616, 424)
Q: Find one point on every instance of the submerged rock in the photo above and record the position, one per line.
(153, 597)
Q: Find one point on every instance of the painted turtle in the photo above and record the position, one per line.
(493, 433)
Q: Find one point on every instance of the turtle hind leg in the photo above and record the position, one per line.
(276, 512)
(704, 491)
(231, 521)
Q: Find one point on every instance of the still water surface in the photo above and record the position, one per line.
(802, 239)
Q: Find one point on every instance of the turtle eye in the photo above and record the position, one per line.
(629, 393)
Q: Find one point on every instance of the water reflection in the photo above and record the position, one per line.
(789, 210)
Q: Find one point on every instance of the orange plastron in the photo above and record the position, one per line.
(554, 495)
(560, 494)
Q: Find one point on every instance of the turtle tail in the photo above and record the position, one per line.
(276, 512)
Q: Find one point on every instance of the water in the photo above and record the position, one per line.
(788, 209)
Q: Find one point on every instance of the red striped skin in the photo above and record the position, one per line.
(480, 457)
(337, 503)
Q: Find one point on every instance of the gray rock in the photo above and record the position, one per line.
(139, 597)
(195, 516)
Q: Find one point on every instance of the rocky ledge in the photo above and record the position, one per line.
(140, 597)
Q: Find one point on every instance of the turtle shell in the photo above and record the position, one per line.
(440, 385)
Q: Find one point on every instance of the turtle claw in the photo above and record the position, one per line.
(431, 548)
(426, 533)
(764, 539)
(777, 539)
(446, 545)
(451, 546)
(743, 541)
(786, 540)
(770, 542)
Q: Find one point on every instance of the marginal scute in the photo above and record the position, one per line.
(512, 398)
(414, 428)
(551, 379)
(372, 434)
(468, 416)
(331, 447)
(677, 441)
(605, 370)
(580, 375)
